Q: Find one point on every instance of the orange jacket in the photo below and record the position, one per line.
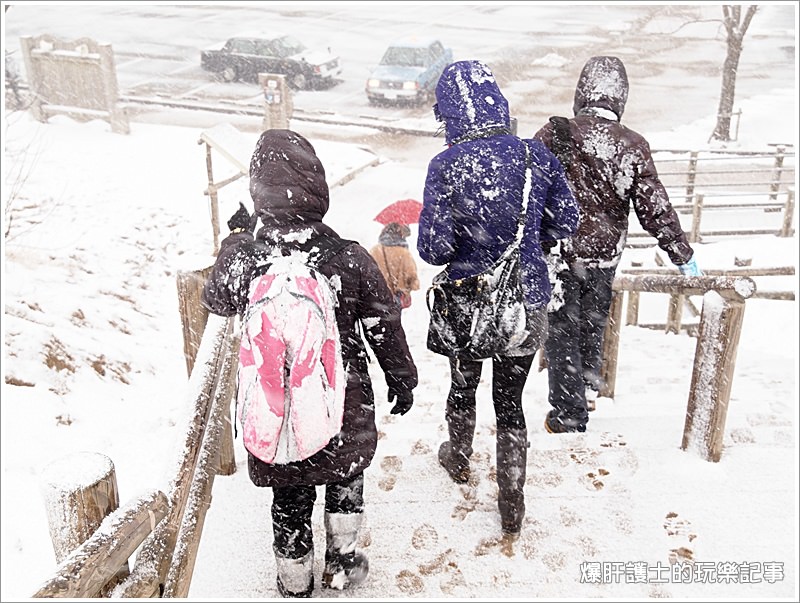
(398, 267)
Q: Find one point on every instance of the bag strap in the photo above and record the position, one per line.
(562, 140)
(526, 192)
(326, 252)
(393, 283)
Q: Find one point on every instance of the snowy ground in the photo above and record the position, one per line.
(97, 225)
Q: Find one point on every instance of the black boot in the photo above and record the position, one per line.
(344, 566)
(295, 576)
(454, 454)
(512, 459)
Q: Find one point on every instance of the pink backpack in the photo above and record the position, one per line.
(291, 376)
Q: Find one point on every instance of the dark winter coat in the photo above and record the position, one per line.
(610, 168)
(473, 190)
(290, 196)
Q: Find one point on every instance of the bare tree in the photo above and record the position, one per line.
(735, 28)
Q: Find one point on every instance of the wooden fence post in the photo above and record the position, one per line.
(712, 375)
(632, 312)
(194, 316)
(608, 370)
(674, 313)
(777, 171)
(788, 215)
(212, 195)
(691, 175)
(697, 214)
(80, 490)
(226, 461)
(87, 570)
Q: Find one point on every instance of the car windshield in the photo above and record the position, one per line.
(286, 47)
(405, 57)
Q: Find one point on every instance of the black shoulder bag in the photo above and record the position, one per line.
(481, 316)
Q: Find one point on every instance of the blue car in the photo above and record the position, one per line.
(408, 72)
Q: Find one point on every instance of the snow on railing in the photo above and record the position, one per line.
(715, 355)
(165, 529)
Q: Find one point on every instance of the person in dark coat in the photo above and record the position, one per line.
(609, 168)
(290, 196)
(473, 199)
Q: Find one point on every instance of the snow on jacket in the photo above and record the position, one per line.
(290, 196)
(473, 190)
(610, 169)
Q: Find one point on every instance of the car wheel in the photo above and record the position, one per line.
(229, 74)
(299, 81)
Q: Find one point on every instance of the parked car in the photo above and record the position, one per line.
(244, 57)
(408, 71)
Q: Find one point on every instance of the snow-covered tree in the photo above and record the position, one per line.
(735, 27)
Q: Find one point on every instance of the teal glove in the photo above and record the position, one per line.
(690, 268)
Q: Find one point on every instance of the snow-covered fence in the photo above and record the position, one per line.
(76, 78)
(165, 562)
(167, 528)
(715, 355)
(678, 302)
(718, 187)
(193, 315)
(188, 542)
(96, 563)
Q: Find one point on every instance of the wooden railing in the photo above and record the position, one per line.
(700, 182)
(715, 354)
(166, 529)
(680, 302)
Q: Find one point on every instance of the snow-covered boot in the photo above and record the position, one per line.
(512, 459)
(344, 566)
(454, 454)
(295, 576)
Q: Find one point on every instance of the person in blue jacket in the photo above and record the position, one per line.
(471, 206)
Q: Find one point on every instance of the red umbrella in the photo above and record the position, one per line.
(402, 212)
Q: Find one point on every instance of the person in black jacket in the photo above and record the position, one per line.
(290, 196)
(610, 169)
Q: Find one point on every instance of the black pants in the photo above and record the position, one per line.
(292, 507)
(509, 374)
(575, 344)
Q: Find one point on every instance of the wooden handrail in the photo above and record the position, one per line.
(153, 561)
(733, 287)
(749, 271)
(87, 569)
(715, 354)
(188, 541)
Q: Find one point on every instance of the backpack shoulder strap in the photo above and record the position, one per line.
(562, 140)
(327, 250)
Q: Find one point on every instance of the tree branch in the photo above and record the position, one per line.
(692, 22)
(751, 12)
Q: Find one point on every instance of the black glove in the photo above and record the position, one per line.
(241, 221)
(403, 401)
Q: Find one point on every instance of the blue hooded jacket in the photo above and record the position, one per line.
(473, 190)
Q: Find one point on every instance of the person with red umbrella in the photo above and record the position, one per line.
(405, 211)
(396, 262)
